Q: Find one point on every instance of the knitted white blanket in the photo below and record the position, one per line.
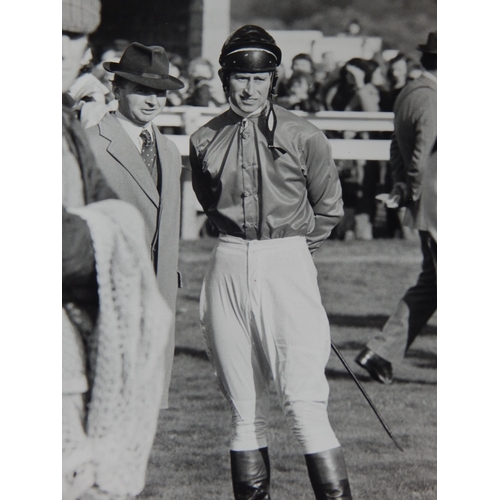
(131, 334)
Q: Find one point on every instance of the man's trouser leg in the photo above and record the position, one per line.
(261, 313)
(296, 336)
(237, 357)
(413, 310)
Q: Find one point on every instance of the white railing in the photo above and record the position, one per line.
(189, 118)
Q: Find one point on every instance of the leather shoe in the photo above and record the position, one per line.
(378, 368)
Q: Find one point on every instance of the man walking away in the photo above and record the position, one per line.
(414, 170)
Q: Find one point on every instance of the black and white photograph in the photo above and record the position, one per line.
(249, 250)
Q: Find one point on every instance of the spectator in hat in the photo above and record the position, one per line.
(112, 329)
(266, 178)
(414, 169)
(141, 165)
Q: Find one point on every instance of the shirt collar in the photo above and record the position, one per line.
(430, 76)
(133, 130)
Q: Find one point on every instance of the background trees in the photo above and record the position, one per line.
(402, 24)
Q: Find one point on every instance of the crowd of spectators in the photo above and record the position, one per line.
(356, 85)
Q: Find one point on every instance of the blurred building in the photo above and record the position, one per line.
(190, 28)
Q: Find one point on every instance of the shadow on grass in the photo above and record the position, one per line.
(341, 374)
(332, 374)
(191, 298)
(376, 321)
(412, 381)
(426, 359)
(413, 353)
(189, 351)
(422, 359)
(350, 345)
(368, 321)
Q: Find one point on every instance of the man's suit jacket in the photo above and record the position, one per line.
(413, 146)
(126, 173)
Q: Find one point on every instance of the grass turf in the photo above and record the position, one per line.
(360, 283)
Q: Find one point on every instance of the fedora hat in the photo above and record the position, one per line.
(431, 46)
(145, 65)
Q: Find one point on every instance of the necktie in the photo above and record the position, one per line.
(148, 153)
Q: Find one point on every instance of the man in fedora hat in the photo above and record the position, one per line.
(414, 170)
(141, 165)
(267, 180)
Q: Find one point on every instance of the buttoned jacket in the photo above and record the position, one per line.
(124, 169)
(254, 190)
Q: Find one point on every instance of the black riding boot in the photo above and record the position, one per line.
(250, 472)
(328, 475)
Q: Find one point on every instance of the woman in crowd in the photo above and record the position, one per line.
(357, 90)
(203, 88)
(300, 96)
(177, 70)
(397, 76)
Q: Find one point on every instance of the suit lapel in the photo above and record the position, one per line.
(123, 150)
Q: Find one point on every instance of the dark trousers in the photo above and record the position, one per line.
(367, 203)
(413, 311)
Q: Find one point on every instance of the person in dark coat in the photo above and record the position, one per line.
(414, 170)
